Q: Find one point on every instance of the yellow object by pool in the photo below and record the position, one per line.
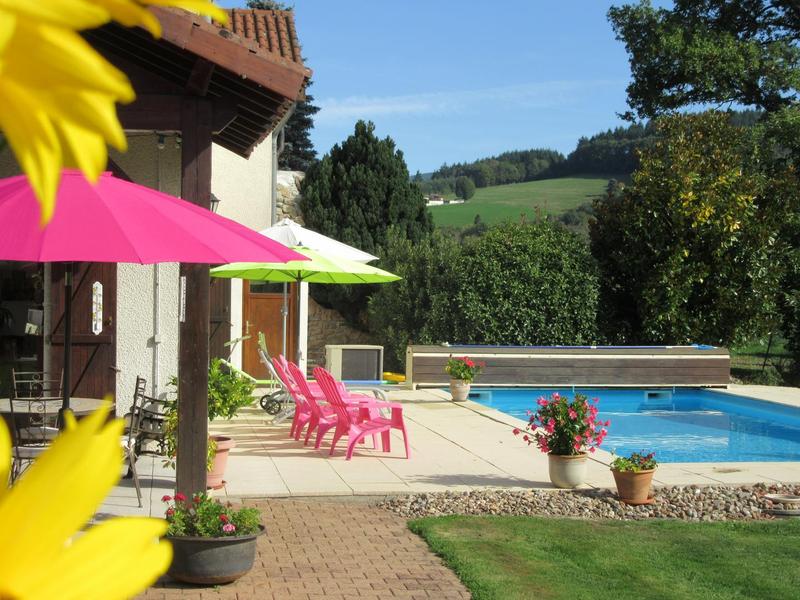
(397, 377)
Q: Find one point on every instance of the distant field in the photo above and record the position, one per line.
(508, 202)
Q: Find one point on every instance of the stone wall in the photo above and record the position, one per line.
(325, 326)
(287, 203)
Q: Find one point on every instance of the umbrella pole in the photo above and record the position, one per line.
(285, 315)
(67, 367)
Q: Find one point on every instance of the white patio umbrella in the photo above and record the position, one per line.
(292, 234)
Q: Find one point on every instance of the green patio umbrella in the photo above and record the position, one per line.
(321, 268)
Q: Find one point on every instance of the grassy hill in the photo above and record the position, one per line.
(507, 202)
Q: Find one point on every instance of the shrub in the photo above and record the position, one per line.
(463, 368)
(521, 284)
(637, 461)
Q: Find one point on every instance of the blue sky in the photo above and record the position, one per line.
(454, 81)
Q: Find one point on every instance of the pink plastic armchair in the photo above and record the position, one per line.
(367, 424)
(323, 416)
(302, 407)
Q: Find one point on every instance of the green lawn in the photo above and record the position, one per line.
(527, 557)
(507, 202)
(748, 362)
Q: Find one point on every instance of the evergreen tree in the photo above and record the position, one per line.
(299, 153)
(357, 192)
(268, 5)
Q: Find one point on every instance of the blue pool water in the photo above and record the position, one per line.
(687, 425)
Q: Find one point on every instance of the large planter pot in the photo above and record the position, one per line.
(211, 561)
(567, 471)
(214, 477)
(459, 389)
(633, 487)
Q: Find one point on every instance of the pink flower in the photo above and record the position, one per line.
(592, 449)
(542, 401)
(572, 414)
(166, 498)
(515, 431)
(556, 396)
(551, 425)
(229, 528)
(607, 423)
(577, 446)
(180, 497)
(595, 399)
(578, 437)
(525, 437)
(170, 512)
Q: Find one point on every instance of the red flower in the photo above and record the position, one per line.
(224, 518)
(515, 431)
(166, 498)
(469, 363)
(170, 512)
(180, 497)
(525, 437)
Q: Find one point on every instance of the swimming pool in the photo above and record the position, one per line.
(684, 425)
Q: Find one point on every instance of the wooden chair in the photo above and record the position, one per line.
(35, 402)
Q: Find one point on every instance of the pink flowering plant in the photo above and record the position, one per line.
(464, 368)
(203, 516)
(565, 427)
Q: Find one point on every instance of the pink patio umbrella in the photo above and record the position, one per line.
(120, 222)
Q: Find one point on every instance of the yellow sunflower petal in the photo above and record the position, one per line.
(7, 24)
(56, 496)
(201, 7)
(91, 110)
(131, 14)
(5, 455)
(71, 63)
(34, 141)
(82, 149)
(116, 559)
(72, 14)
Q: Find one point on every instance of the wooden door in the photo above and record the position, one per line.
(94, 357)
(220, 330)
(262, 312)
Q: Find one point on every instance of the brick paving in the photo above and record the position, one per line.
(330, 550)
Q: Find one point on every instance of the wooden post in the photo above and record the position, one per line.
(196, 126)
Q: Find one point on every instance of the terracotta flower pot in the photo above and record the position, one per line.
(633, 487)
(459, 389)
(211, 561)
(214, 477)
(567, 471)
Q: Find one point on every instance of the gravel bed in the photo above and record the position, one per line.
(690, 503)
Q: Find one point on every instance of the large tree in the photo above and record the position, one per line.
(357, 192)
(299, 153)
(688, 251)
(711, 52)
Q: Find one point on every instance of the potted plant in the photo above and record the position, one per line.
(228, 391)
(462, 371)
(211, 542)
(565, 430)
(633, 475)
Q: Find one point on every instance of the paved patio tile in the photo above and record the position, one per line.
(324, 549)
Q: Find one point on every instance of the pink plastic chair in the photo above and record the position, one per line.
(323, 416)
(302, 408)
(368, 424)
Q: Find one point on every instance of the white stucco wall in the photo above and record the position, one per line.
(244, 188)
(147, 332)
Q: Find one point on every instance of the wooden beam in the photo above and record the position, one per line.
(163, 112)
(196, 126)
(200, 77)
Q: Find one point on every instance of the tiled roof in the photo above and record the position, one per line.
(271, 30)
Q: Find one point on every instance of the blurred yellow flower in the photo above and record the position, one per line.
(40, 554)
(58, 94)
